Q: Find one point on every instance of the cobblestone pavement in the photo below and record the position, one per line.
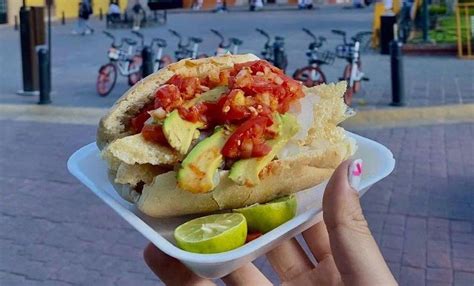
(55, 232)
(76, 59)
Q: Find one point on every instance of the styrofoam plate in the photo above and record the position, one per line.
(87, 166)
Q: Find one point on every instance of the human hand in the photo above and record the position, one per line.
(342, 245)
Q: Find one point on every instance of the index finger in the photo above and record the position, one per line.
(169, 269)
(317, 239)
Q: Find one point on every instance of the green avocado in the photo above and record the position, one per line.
(179, 132)
(246, 171)
(208, 96)
(198, 170)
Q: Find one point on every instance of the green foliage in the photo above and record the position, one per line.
(437, 9)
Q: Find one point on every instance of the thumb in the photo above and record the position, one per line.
(355, 251)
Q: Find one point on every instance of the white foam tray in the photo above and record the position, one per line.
(87, 166)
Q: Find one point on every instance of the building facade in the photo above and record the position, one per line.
(9, 9)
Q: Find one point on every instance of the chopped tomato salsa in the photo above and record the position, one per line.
(154, 133)
(252, 236)
(256, 90)
(136, 124)
(248, 140)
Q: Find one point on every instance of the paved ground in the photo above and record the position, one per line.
(55, 232)
(76, 59)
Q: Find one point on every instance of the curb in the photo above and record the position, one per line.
(366, 119)
(411, 116)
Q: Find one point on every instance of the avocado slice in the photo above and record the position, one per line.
(198, 170)
(179, 132)
(246, 171)
(211, 95)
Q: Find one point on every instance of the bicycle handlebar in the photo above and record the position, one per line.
(359, 35)
(222, 40)
(265, 34)
(176, 34)
(140, 35)
(341, 33)
(160, 42)
(309, 33)
(180, 38)
(109, 35)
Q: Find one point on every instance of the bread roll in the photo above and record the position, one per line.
(307, 160)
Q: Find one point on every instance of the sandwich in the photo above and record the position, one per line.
(219, 133)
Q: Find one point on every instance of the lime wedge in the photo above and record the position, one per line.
(212, 234)
(265, 217)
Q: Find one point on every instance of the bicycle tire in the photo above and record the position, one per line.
(135, 77)
(304, 75)
(165, 61)
(107, 74)
(350, 90)
(281, 61)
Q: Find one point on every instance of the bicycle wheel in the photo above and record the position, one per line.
(351, 90)
(135, 63)
(310, 76)
(165, 61)
(106, 79)
(281, 61)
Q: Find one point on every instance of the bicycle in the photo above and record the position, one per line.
(312, 75)
(183, 50)
(125, 61)
(274, 52)
(350, 51)
(231, 47)
(160, 61)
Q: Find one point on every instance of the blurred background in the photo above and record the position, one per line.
(411, 75)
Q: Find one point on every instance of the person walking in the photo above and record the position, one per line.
(305, 4)
(113, 14)
(138, 12)
(85, 10)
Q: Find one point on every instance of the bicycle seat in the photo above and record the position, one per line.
(338, 32)
(130, 41)
(235, 41)
(279, 38)
(195, 40)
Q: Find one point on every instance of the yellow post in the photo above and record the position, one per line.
(458, 31)
(396, 6)
(69, 7)
(35, 3)
(468, 31)
(379, 9)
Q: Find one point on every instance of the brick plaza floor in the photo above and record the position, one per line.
(55, 232)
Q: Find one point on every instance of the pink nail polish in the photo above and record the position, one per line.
(355, 173)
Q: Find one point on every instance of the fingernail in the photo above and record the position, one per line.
(355, 173)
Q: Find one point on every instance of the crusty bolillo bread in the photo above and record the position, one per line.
(307, 160)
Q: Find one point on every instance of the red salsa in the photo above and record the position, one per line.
(256, 90)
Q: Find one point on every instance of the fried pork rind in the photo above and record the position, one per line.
(135, 149)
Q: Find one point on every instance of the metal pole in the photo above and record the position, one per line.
(49, 41)
(44, 73)
(147, 66)
(63, 18)
(426, 21)
(15, 27)
(396, 68)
